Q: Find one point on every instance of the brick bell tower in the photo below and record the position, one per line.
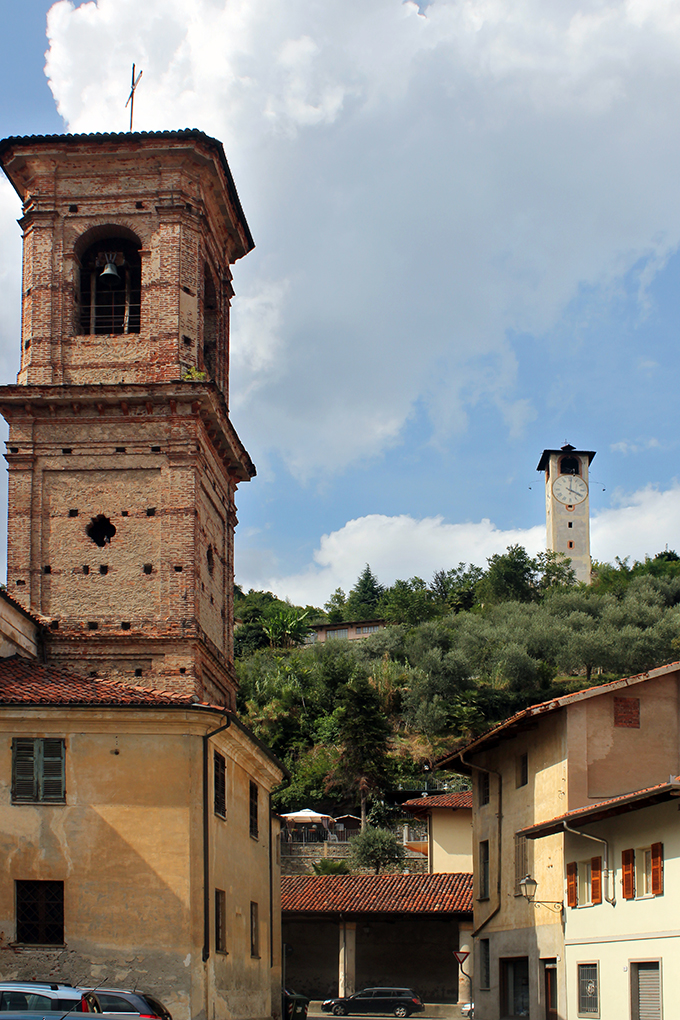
(123, 463)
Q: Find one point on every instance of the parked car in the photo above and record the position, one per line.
(41, 997)
(400, 1001)
(110, 1001)
(293, 1005)
(468, 1010)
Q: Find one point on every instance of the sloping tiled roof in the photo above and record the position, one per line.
(25, 682)
(461, 799)
(377, 894)
(497, 733)
(605, 809)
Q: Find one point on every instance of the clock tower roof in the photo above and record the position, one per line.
(566, 449)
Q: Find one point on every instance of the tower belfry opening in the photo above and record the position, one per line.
(120, 406)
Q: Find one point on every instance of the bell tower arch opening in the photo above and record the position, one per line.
(110, 281)
(210, 323)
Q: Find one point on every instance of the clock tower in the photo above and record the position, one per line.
(567, 505)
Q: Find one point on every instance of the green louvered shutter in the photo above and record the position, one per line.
(51, 776)
(24, 771)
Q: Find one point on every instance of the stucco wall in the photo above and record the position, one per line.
(451, 835)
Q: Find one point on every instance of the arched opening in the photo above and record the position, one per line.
(209, 323)
(110, 286)
(570, 466)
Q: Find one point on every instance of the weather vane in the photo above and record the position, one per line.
(131, 97)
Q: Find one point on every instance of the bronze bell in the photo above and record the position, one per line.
(109, 276)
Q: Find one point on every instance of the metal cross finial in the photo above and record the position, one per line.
(131, 98)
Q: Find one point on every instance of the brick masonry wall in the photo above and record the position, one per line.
(297, 858)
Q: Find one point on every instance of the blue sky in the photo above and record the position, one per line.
(467, 224)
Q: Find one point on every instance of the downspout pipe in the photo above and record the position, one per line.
(598, 839)
(206, 834)
(499, 816)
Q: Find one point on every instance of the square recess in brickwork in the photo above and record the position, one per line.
(627, 712)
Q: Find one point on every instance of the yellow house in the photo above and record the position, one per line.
(449, 829)
(136, 843)
(547, 760)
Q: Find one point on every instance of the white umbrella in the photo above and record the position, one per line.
(307, 815)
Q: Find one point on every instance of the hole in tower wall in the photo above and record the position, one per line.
(100, 530)
(211, 560)
(210, 323)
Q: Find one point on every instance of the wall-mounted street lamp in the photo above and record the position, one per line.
(528, 887)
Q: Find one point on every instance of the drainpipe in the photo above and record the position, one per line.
(586, 835)
(206, 836)
(491, 772)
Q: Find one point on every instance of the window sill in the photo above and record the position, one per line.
(34, 803)
(254, 836)
(38, 945)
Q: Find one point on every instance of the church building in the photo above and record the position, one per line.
(136, 838)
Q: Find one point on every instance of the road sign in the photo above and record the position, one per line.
(461, 956)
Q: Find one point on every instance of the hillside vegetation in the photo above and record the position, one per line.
(354, 720)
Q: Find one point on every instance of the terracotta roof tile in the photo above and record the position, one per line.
(461, 799)
(377, 894)
(26, 682)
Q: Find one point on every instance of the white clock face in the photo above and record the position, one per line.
(570, 489)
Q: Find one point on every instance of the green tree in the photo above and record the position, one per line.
(456, 589)
(286, 626)
(363, 731)
(378, 849)
(364, 598)
(336, 606)
(410, 602)
(509, 578)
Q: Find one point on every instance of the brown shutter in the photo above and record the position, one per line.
(596, 880)
(572, 884)
(657, 869)
(628, 874)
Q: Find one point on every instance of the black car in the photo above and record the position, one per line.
(400, 1001)
(114, 1001)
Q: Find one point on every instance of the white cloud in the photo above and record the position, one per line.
(422, 188)
(401, 547)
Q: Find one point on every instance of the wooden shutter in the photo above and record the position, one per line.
(657, 869)
(628, 874)
(572, 884)
(596, 880)
(24, 780)
(51, 776)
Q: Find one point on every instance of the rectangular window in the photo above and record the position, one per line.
(220, 921)
(627, 712)
(648, 871)
(220, 798)
(254, 931)
(522, 770)
(484, 870)
(588, 990)
(484, 788)
(38, 770)
(521, 862)
(484, 964)
(515, 987)
(584, 883)
(254, 824)
(342, 632)
(40, 913)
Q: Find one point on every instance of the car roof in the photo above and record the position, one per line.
(52, 986)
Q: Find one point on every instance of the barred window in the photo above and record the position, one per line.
(484, 870)
(220, 796)
(40, 913)
(254, 931)
(484, 964)
(588, 990)
(254, 822)
(38, 772)
(220, 921)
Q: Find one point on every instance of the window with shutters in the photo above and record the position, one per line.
(220, 921)
(647, 871)
(220, 793)
(588, 990)
(40, 913)
(254, 821)
(628, 874)
(521, 862)
(38, 770)
(572, 884)
(584, 884)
